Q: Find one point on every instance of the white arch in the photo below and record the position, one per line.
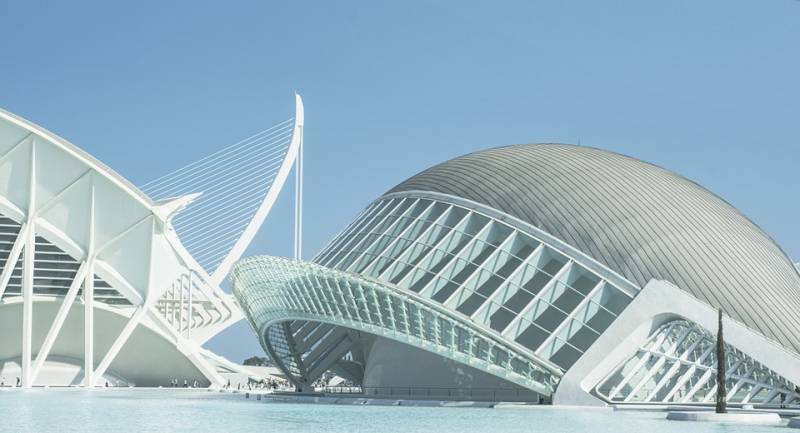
(250, 231)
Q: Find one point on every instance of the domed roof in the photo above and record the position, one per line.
(640, 220)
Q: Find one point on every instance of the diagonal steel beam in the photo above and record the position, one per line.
(13, 258)
(119, 342)
(58, 321)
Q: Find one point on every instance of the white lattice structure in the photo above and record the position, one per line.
(540, 273)
(97, 284)
(677, 364)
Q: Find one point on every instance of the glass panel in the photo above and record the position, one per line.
(532, 337)
(565, 356)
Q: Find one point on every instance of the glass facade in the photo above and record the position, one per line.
(498, 276)
(308, 310)
(437, 275)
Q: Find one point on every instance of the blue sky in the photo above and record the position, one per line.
(707, 89)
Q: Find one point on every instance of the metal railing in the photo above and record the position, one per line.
(441, 393)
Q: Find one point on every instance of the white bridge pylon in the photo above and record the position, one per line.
(293, 156)
(237, 187)
(216, 206)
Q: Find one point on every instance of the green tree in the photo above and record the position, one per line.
(257, 361)
(722, 394)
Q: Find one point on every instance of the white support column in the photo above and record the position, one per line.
(298, 198)
(58, 321)
(88, 325)
(27, 306)
(27, 275)
(172, 300)
(181, 314)
(88, 303)
(190, 311)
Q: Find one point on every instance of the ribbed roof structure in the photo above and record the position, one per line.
(640, 220)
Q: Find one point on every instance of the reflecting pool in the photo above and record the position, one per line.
(141, 410)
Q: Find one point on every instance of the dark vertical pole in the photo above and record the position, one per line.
(721, 393)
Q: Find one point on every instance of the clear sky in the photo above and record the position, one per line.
(708, 89)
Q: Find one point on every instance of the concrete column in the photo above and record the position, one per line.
(27, 306)
(88, 325)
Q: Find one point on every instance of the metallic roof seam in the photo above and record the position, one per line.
(742, 249)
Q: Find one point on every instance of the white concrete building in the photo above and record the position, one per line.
(103, 283)
(541, 273)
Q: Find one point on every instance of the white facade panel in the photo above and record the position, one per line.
(94, 279)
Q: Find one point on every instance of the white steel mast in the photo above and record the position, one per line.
(298, 189)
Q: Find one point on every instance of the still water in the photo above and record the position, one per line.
(138, 410)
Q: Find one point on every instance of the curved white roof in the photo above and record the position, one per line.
(70, 224)
(84, 207)
(640, 220)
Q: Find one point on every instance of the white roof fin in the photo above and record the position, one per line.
(168, 208)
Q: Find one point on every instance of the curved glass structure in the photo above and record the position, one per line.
(501, 277)
(330, 297)
(489, 260)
